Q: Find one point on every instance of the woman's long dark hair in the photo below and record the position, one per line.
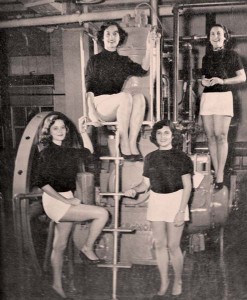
(122, 33)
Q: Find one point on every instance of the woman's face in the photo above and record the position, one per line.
(58, 132)
(164, 138)
(217, 37)
(111, 38)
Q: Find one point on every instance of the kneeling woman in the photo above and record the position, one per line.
(167, 172)
(58, 166)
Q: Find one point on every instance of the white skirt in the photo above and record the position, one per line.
(164, 207)
(217, 104)
(54, 208)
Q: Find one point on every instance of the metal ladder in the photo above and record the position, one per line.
(116, 230)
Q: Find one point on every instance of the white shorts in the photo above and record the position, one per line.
(164, 207)
(217, 104)
(54, 208)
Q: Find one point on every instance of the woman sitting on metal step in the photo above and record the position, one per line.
(58, 167)
(105, 76)
(221, 68)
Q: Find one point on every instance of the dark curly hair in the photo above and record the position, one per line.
(226, 35)
(177, 139)
(72, 138)
(122, 33)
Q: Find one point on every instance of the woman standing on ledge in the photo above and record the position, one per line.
(221, 68)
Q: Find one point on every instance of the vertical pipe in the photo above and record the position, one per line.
(158, 79)
(83, 86)
(175, 60)
(154, 12)
(190, 77)
(116, 219)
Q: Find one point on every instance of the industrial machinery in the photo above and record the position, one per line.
(208, 209)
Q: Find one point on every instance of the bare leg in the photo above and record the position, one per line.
(136, 119)
(161, 251)
(174, 238)
(208, 123)
(118, 107)
(221, 125)
(99, 217)
(62, 231)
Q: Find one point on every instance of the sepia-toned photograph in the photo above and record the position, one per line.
(123, 150)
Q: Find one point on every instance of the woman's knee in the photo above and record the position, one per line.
(60, 246)
(160, 244)
(126, 98)
(221, 138)
(173, 247)
(103, 213)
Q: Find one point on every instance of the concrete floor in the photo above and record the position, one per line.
(207, 275)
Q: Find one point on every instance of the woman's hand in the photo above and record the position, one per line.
(151, 38)
(179, 219)
(75, 201)
(205, 82)
(216, 80)
(131, 193)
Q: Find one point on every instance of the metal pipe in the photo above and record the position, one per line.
(79, 18)
(175, 61)
(154, 12)
(163, 10)
(202, 37)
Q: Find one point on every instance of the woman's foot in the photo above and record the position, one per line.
(59, 292)
(177, 288)
(89, 256)
(163, 288)
(218, 186)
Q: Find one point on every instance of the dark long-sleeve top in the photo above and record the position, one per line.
(223, 64)
(58, 167)
(165, 169)
(107, 71)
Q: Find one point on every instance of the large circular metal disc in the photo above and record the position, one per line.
(24, 157)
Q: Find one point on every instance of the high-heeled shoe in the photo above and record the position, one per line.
(87, 260)
(137, 157)
(127, 156)
(218, 186)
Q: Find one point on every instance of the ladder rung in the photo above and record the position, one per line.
(111, 158)
(119, 265)
(118, 230)
(111, 194)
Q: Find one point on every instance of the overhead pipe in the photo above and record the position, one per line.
(202, 37)
(78, 18)
(163, 10)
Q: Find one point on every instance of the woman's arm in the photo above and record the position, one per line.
(187, 187)
(51, 192)
(239, 78)
(150, 42)
(140, 188)
(85, 137)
